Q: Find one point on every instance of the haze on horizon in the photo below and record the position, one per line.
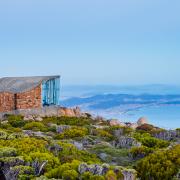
(92, 42)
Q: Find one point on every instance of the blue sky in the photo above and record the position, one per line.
(92, 41)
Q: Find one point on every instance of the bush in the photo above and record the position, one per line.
(7, 152)
(111, 175)
(25, 146)
(35, 126)
(70, 153)
(147, 140)
(61, 171)
(103, 133)
(16, 121)
(70, 175)
(73, 133)
(52, 161)
(162, 165)
(140, 152)
(125, 130)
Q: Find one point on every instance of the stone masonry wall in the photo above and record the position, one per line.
(29, 99)
(25, 100)
(6, 101)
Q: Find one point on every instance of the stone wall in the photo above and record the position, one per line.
(25, 100)
(29, 99)
(6, 101)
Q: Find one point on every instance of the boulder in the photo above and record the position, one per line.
(133, 125)
(95, 169)
(38, 118)
(142, 121)
(115, 122)
(129, 174)
(103, 156)
(77, 112)
(126, 142)
(60, 129)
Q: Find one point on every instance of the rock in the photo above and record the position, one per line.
(77, 112)
(93, 168)
(69, 112)
(28, 118)
(4, 122)
(129, 174)
(103, 156)
(78, 145)
(133, 125)
(167, 135)
(118, 133)
(61, 112)
(55, 149)
(39, 167)
(36, 134)
(115, 122)
(83, 167)
(60, 129)
(142, 121)
(126, 142)
(38, 118)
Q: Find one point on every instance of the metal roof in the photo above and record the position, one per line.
(22, 84)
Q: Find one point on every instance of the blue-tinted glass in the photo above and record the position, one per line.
(50, 92)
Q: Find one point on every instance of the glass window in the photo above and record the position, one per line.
(50, 92)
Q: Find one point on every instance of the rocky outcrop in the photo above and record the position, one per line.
(129, 174)
(125, 142)
(167, 135)
(55, 149)
(94, 169)
(39, 113)
(60, 129)
(142, 121)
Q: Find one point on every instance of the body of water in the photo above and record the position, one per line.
(167, 117)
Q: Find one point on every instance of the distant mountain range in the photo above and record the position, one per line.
(92, 90)
(108, 101)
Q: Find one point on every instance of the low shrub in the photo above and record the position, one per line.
(73, 133)
(35, 126)
(161, 165)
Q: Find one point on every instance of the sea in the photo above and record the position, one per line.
(167, 116)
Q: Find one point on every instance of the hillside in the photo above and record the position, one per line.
(85, 148)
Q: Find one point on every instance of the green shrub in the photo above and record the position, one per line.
(97, 177)
(125, 130)
(162, 165)
(35, 126)
(70, 175)
(25, 146)
(147, 140)
(61, 171)
(24, 170)
(16, 121)
(73, 133)
(70, 153)
(52, 161)
(110, 175)
(140, 152)
(103, 134)
(7, 152)
(90, 176)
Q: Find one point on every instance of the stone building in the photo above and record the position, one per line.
(28, 92)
